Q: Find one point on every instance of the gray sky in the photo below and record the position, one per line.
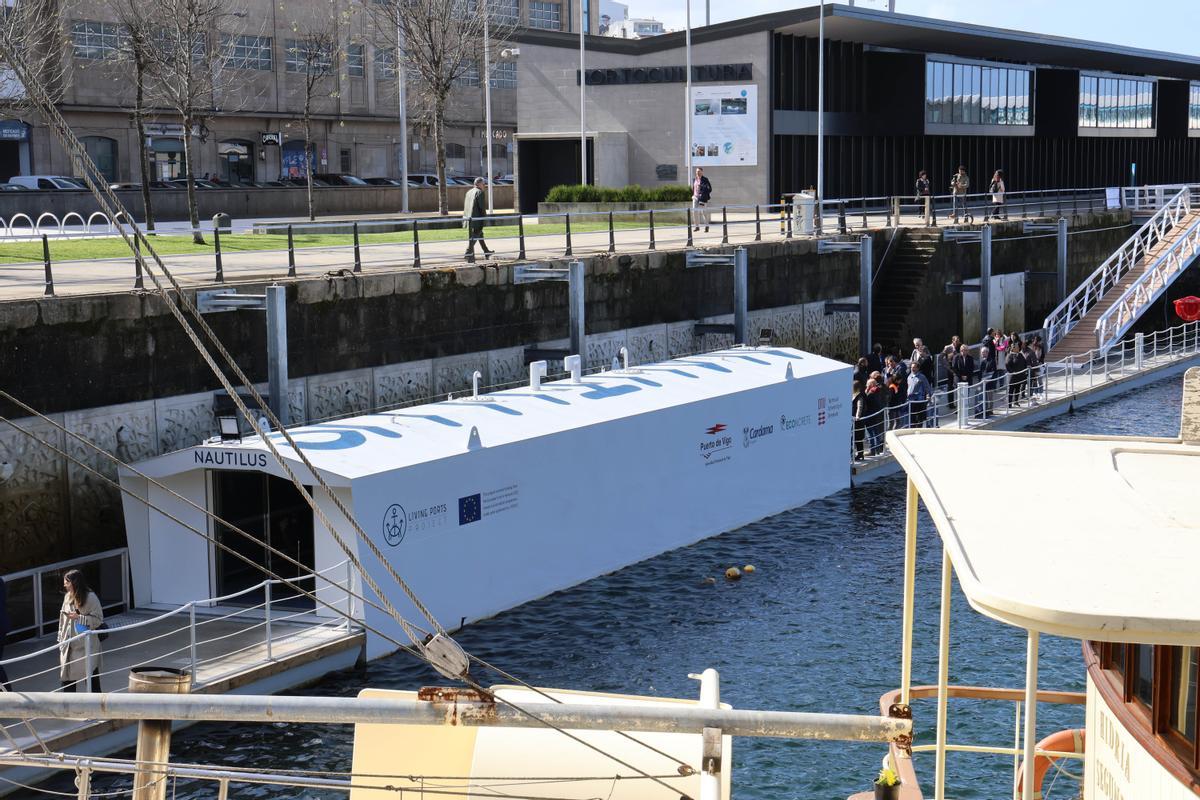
(1168, 25)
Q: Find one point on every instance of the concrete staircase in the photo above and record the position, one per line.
(1082, 336)
(898, 283)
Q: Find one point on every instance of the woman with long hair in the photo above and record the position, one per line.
(80, 612)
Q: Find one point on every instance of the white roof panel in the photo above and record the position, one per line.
(1081, 536)
(377, 443)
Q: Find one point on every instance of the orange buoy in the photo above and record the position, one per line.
(1068, 741)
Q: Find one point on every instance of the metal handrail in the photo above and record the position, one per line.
(36, 574)
(1077, 304)
(1149, 286)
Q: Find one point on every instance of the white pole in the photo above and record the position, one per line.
(1031, 679)
(400, 99)
(910, 578)
(687, 100)
(820, 118)
(583, 165)
(487, 102)
(943, 691)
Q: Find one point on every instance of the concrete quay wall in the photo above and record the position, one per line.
(117, 369)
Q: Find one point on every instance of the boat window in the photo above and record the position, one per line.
(1183, 691)
(1118, 657)
(1143, 679)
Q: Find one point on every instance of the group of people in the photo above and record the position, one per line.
(889, 392)
(960, 183)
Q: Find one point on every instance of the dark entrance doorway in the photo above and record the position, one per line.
(272, 511)
(545, 163)
(10, 160)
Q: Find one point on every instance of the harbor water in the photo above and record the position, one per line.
(816, 627)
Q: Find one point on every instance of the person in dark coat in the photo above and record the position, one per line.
(1015, 366)
(876, 408)
(862, 371)
(987, 380)
(875, 358)
(897, 396)
(1034, 365)
(963, 365)
(858, 409)
(474, 213)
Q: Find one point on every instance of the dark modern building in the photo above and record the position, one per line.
(902, 93)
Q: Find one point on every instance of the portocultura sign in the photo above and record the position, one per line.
(708, 73)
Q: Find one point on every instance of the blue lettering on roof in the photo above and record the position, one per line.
(348, 436)
(705, 364)
(601, 392)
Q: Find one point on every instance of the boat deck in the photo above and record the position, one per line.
(232, 653)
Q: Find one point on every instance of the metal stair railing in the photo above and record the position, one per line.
(1150, 285)
(1077, 304)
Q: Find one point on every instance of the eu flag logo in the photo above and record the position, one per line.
(469, 509)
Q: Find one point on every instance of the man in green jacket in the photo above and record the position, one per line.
(474, 212)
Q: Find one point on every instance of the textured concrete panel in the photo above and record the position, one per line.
(831, 335)
(33, 496)
(184, 421)
(453, 374)
(403, 384)
(339, 394)
(647, 344)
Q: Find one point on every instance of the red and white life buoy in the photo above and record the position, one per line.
(1188, 308)
(1068, 741)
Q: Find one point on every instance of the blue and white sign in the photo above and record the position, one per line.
(12, 130)
(725, 126)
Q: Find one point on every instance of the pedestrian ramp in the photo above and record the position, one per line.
(1107, 305)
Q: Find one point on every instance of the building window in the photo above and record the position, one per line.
(95, 40)
(971, 94)
(1143, 673)
(356, 61)
(307, 57)
(385, 64)
(1194, 107)
(344, 158)
(167, 152)
(103, 152)
(1115, 103)
(1183, 691)
(545, 15)
(248, 52)
(504, 75)
(504, 12)
(469, 76)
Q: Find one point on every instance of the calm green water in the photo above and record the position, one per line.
(816, 628)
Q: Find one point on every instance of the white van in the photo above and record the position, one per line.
(51, 182)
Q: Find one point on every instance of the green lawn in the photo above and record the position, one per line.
(114, 247)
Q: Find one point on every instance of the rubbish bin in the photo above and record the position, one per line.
(223, 222)
(802, 213)
(154, 735)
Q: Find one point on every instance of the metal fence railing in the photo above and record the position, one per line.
(1001, 394)
(34, 595)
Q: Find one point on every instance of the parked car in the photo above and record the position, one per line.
(51, 182)
(505, 180)
(336, 179)
(385, 181)
(13, 187)
(422, 179)
(301, 181)
(270, 184)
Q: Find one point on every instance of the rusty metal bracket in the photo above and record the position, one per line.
(902, 711)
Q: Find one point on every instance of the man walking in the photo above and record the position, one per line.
(963, 365)
(924, 189)
(701, 194)
(474, 213)
(959, 184)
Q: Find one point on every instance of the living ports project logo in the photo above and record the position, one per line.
(717, 446)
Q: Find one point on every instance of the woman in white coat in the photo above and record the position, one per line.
(80, 612)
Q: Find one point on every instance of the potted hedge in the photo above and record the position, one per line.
(887, 785)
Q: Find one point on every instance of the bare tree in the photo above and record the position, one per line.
(33, 32)
(313, 57)
(138, 21)
(442, 42)
(189, 65)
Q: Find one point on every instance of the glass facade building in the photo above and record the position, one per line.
(1106, 102)
(975, 94)
(1194, 107)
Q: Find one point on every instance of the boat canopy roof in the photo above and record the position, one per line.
(1081, 536)
(347, 449)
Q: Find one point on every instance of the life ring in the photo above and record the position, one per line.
(1188, 308)
(1068, 741)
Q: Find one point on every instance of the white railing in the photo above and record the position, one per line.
(1149, 286)
(182, 643)
(27, 588)
(979, 403)
(1141, 199)
(1076, 306)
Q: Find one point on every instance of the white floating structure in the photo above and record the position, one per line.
(487, 502)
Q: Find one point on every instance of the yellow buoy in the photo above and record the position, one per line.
(733, 574)
(748, 568)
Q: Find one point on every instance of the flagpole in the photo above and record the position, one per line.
(583, 162)
(820, 119)
(487, 101)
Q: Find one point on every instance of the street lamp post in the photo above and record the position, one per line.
(583, 164)
(487, 102)
(400, 99)
(687, 89)
(820, 118)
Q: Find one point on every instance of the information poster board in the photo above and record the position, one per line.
(725, 126)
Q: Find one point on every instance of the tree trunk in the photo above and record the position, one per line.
(439, 138)
(308, 159)
(139, 117)
(190, 177)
